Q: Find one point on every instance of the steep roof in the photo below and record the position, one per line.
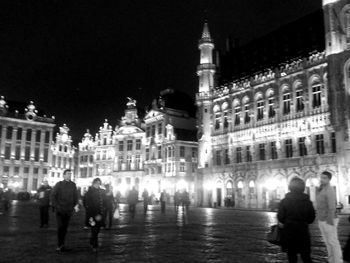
(294, 40)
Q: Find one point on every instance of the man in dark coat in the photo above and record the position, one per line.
(133, 198)
(44, 203)
(295, 213)
(95, 201)
(64, 198)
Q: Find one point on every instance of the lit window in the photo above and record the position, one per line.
(316, 96)
(260, 110)
(286, 103)
(274, 154)
(299, 100)
(302, 147)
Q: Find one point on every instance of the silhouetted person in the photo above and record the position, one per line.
(185, 200)
(7, 199)
(110, 206)
(86, 219)
(145, 197)
(132, 201)
(177, 199)
(64, 198)
(296, 212)
(327, 217)
(163, 201)
(44, 192)
(96, 203)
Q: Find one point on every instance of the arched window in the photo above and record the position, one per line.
(286, 101)
(217, 115)
(259, 108)
(246, 110)
(270, 103)
(237, 110)
(229, 188)
(316, 94)
(299, 99)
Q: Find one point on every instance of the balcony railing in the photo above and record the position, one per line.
(206, 66)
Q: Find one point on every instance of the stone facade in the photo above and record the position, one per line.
(258, 132)
(25, 140)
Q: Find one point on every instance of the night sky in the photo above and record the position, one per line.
(79, 59)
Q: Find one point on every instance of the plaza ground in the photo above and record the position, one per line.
(200, 235)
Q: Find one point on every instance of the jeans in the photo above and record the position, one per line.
(62, 226)
(109, 216)
(94, 236)
(330, 237)
(44, 215)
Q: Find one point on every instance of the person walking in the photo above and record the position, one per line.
(64, 198)
(185, 200)
(110, 206)
(145, 197)
(177, 199)
(96, 204)
(132, 201)
(295, 213)
(86, 219)
(327, 218)
(163, 201)
(44, 203)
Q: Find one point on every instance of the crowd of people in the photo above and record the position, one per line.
(295, 213)
(100, 205)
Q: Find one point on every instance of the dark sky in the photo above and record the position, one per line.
(79, 59)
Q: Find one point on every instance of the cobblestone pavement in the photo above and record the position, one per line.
(201, 235)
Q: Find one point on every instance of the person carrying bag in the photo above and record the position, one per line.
(296, 212)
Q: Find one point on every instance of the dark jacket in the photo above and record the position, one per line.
(95, 202)
(296, 212)
(64, 196)
(44, 195)
(133, 197)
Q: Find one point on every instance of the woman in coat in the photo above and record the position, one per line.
(95, 202)
(295, 213)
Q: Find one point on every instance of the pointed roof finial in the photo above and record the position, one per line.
(206, 33)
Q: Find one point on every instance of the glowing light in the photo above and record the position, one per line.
(181, 184)
(315, 181)
(251, 184)
(208, 185)
(272, 184)
(240, 185)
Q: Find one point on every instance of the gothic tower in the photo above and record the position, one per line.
(206, 74)
(337, 79)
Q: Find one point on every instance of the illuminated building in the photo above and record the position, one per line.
(104, 152)
(170, 145)
(256, 132)
(128, 160)
(25, 137)
(62, 155)
(85, 170)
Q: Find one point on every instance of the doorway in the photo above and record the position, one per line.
(218, 196)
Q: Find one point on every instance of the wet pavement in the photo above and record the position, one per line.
(200, 235)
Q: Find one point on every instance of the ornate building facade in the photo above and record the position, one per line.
(85, 168)
(63, 153)
(170, 146)
(129, 151)
(256, 133)
(25, 139)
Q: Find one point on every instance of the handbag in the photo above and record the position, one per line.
(274, 235)
(116, 214)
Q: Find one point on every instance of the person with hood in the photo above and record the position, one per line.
(295, 213)
(44, 203)
(64, 199)
(96, 203)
